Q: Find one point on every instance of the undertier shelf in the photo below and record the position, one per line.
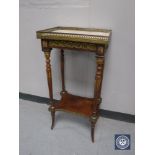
(75, 104)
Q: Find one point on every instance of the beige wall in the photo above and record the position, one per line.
(118, 83)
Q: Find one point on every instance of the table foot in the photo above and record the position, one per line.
(93, 120)
(53, 117)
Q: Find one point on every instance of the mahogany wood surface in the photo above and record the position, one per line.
(76, 104)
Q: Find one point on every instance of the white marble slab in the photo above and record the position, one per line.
(104, 34)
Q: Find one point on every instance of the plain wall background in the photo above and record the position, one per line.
(118, 83)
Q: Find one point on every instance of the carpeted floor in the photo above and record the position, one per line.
(71, 134)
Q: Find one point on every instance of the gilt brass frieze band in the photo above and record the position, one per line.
(72, 45)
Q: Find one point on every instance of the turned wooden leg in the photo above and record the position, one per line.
(49, 80)
(97, 90)
(93, 120)
(62, 71)
(49, 73)
(99, 72)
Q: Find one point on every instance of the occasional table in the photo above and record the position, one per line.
(83, 40)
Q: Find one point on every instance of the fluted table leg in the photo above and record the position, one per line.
(62, 71)
(47, 53)
(97, 89)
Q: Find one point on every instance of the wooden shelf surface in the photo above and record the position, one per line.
(75, 104)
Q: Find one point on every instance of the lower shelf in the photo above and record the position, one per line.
(75, 104)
